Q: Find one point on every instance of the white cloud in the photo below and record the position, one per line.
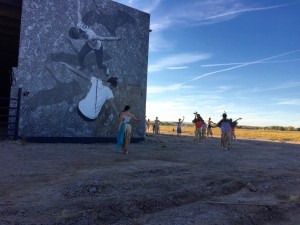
(168, 110)
(177, 67)
(198, 12)
(203, 12)
(177, 60)
(161, 25)
(145, 6)
(161, 89)
(286, 85)
(295, 102)
(158, 43)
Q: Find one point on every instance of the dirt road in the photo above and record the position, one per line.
(165, 180)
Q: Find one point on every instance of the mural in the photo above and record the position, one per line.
(80, 63)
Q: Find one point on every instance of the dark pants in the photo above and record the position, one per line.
(99, 56)
(84, 117)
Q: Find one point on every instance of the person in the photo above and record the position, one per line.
(124, 135)
(203, 132)
(148, 123)
(209, 128)
(156, 126)
(198, 121)
(233, 126)
(99, 93)
(179, 123)
(92, 42)
(225, 127)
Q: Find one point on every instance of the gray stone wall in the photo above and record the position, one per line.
(87, 53)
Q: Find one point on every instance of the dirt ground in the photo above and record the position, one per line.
(165, 180)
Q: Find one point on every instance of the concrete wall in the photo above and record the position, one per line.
(68, 52)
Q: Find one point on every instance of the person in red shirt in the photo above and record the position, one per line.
(198, 121)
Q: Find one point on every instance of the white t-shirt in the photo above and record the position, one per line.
(91, 105)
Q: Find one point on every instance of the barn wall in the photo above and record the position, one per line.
(63, 86)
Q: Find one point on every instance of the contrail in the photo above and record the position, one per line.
(231, 64)
(243, 65)
(241, 11)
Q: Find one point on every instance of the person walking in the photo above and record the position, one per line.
(209, 128)
(233, 126)
(148, 124)
(198, 121)
(179, 123)
(156, 126)
(225, 127)
(124, 135)
(203, 132)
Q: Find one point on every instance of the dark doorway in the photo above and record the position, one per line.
(10, 22)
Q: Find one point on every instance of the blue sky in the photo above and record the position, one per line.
(211, 56)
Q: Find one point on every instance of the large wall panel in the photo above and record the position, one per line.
(80, 63)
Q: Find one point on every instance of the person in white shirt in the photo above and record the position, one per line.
(99, 93)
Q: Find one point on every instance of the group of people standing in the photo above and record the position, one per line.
(226, 125)
(202, 129)
(155, 126)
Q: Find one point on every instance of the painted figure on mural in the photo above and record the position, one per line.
(99, 93)
(93, 42)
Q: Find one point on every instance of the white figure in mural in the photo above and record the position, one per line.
(92, 42)
(99, 93)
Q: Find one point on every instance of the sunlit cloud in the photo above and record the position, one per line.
(286, 85)
(224, 88)
(203, 12)
(168, 110)
(177, 67)
(295, 102)
(145, 6)
(193, 12)
(158, 43)
(177, 60)
(161, 25)
(193, 94)
(161, 89)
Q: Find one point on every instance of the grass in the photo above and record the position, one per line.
(271, 135)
